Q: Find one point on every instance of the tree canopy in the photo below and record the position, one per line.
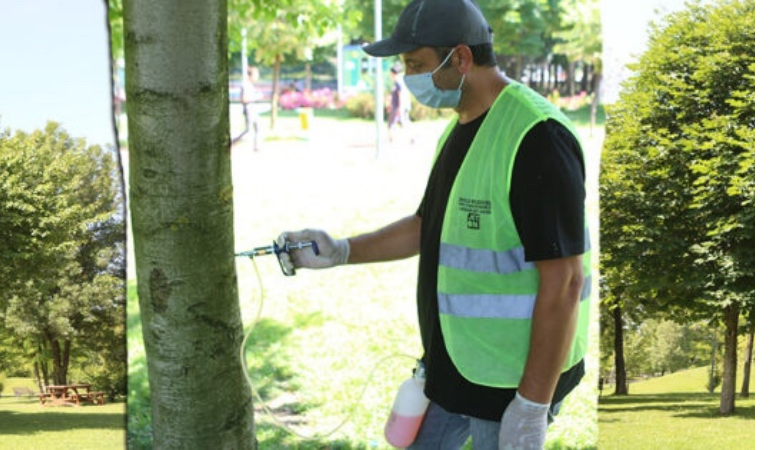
(61, 251)
(677, 185)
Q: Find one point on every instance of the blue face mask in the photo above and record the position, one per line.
(425, 91)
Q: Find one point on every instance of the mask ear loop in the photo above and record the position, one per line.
(443, 62)
(462, 80)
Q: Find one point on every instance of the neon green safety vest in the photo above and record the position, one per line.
(486, 290)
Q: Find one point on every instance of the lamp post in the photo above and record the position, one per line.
(244, 59)
(378, 95)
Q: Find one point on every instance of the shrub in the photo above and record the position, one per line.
(422, 112)
(361, 105)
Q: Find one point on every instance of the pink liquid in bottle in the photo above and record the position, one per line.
(400, 431)
(408, 411)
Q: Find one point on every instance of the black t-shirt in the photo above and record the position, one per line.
(547, 197)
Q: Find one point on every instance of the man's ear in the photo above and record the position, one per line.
(463, 58)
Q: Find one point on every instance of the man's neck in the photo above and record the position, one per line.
(482, 90)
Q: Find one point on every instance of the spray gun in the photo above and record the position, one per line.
(276, 250)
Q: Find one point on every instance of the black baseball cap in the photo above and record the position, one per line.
(434, 23)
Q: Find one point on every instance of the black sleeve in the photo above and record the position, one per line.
(548, 193)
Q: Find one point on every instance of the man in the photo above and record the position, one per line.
(249, 98)
(400, 103)
(504, 270)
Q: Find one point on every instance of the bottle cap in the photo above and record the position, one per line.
(419, 370)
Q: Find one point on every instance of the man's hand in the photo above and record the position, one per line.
(331, 252)
(523, 425)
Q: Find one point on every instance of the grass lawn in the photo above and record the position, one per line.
(25, 424)
(326, 335)
(674, 412)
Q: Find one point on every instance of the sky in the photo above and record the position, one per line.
(55, 65)
(625, 26)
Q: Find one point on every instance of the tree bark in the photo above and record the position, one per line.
(621, 384)
(182, 222)
(747, 366)
(727, 401)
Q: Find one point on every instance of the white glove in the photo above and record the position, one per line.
(331, 252)
(523, 425)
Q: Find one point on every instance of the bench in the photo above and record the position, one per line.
(97, 397)
(44, 398)
(19, 391)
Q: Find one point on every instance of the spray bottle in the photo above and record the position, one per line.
(408, 410)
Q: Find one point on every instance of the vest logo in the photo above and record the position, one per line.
(474, 221)
(475, 209)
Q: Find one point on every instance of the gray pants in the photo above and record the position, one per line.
(442, 430)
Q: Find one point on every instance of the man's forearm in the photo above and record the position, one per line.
(553, 326)
(398, 240)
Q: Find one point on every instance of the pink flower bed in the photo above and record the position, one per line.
(317, 98)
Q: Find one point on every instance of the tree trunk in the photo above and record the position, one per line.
(747, 366)
(42, 365)
(65, 361)
(584, 80)
(621, 385)
(712, 383)
(571, 79)
(595, 101)
(59, 370)
(519, 72)
(276, 93)
(308, 77)
(182, 222)
(40, 383)
(727, 401)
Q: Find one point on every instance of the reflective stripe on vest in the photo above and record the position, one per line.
(496, 306)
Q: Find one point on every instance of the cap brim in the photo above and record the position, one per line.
(389, 47)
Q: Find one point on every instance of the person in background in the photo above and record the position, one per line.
(400, 103)
(249, 98)
(504, 272)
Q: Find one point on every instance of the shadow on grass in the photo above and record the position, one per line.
(689, 405)
(23, 423)
(272, 376)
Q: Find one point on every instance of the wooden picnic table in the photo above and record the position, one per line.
(70, 395)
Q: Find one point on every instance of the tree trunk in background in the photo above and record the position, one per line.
(747, 366)
(571, 79)
(519, 72)
(621, 385)
(182, 222)
(727, 401)
(60, 360)
(586, 75)
(308, 77)
(595, 102)
(40, 383)
(41, 368)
